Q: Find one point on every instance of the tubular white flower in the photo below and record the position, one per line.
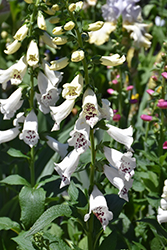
(72, 90)
(95, 26)
(21, 33)
(13, 47)
(58, 30)
(92, 2)
(30, 130)
(48, 96)
(67, 167)
(60, 148)
(98, 206)
(105, 111)
(123, 136)
(113, 60)
(123, 162)
(10, 105)
(20, 118)
(80, 136)
(69, 25)
(60, 40)
(41, 21)
(15, 73)
(90, 108)
(60, 112)
(55, 77)
(113, 175)
(162, 215)
(47, 39)
(101, 36)
(9, 134)
(77, 56)
(59, 64)
(32, 56)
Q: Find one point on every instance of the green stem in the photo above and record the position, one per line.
(162, 120)
(32, 169)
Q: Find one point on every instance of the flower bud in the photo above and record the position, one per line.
(21, 33)
(55, 7)
(77, 56)
(79, 5)
(4, 34)
(41, 21)
(95, 26)
(60, 40)
(59, 64)
(69, 26)
(58, 30)
(13, 47)
(72, 7)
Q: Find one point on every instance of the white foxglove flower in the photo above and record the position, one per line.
(41, 21)
(92, 2)
(98, 206)
(123, 162)
(77, 56)
(21, 33)
(15, 73)
(102, 35)
(48, 96)
(72, 90)
(32, 56)
(58, 30)
(20, 118)
(113, 60)
(90, 108)
(123, 136)
(162, 215)
(10, 105)
(59, 64)
(105, 111)
(60, 148)
(13, 47)
(9, 134)
(60, 40)
(55, 77)
(114, 176)
(30, 130)
(47, 39)
(69, 25)
(95, 26)
(80, 136)
(60, 112)
(67, 167)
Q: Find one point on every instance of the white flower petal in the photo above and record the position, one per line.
(60, 148)
(9, 134)
(72, 90)
(32, 56)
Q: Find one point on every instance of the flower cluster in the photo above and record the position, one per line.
(162, 210)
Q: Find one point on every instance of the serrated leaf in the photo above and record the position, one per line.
(48, 216)
(17, 153)
(7, 224)
(32, 203)
(15, 180)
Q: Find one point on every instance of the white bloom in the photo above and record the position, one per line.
(77, 56)
(30, 130)
(92, 2)
(60, 40)
(47, 39)
(123, 162)
(90, 108)
(72, 90)
(114, 176)
(32, 56)
(95, 26)
(21, 33)
(159, 21)
(49, 94)
(10, 105)
(98, 206)
(60, 112)
(123, 136)
(113, 60)
(59, 64)
(67, 167)
(69, 25)
(60, 148)
(9, 134)
(80, 136)
(162, 215)
(20, 118)
(105, 111)
(15, 73)
(41, 21)
(58, 30)
(101, 36)
(55, 77)
(13, 47)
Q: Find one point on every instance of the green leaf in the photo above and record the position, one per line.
(73, 191)
(110, 240)
(50, 179)
(48, 216)
(7, 224)
(32, 203)
(140, 246)
(15, 180)
(23, 242)
(17, 153)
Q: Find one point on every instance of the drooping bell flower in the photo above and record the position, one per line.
(41, 21)
(10, 105)
(30, 130)
(105, 111)
(13, 47)
(21, 33)
(47, 39)
(60, 148)
(59, 64)
(32, 56)
(67, 167)
(9, 134)
(72, 90)
(112, 60)
(98, 206)
(123, 136)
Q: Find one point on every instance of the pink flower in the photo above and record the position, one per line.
(116, 117)
(165, 145)
(150, 91)
(130, 87)
(164, 74)
(147, 118)
(110, 91)
(162, 104)
(154, 78)
(115, 81)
